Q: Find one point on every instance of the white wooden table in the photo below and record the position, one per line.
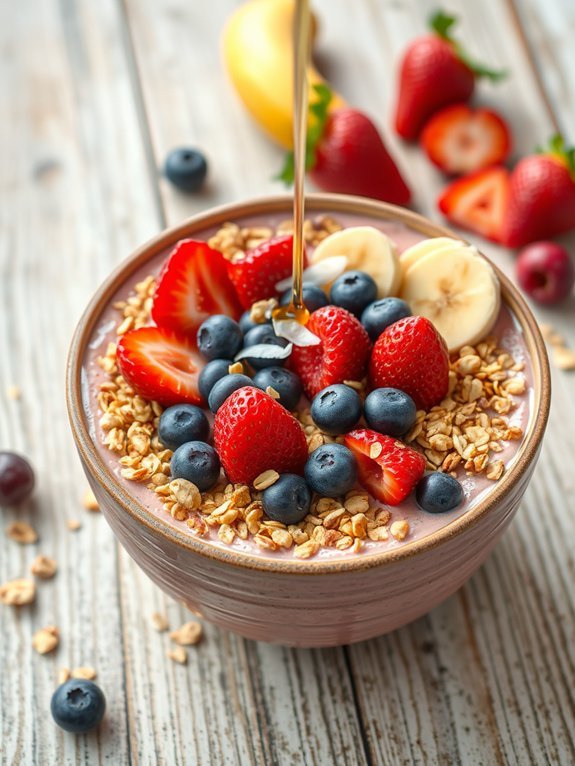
(92, 96)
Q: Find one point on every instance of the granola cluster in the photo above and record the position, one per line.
(464, 432)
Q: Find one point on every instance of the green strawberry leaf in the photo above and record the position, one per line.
(441, 23)
(556, 147)
(319, 113)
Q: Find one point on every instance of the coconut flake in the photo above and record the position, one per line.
(264, 351)
(321, 273)
(295, 332)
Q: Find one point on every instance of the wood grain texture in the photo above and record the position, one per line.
(94, 95)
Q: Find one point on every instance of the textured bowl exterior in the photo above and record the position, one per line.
(308, 603)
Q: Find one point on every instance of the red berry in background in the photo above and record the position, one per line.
(459, 139)
(256, 272)
(546, 272)
(411, 355)
(16, 478)
(434, 72)
(253, 433)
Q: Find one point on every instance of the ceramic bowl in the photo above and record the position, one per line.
(285, 600)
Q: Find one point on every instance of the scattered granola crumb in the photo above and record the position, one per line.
(46, 639)
(21, 532)
(43, 567)
(159, 622)
(189, 634)
(375, 450)
(236, 368)
(63, 676)
(266, 479)
(73, 525)
(400, 529)
(18, 592)
(563, 358)
(13, 392)
(179, 655)
(83, 671)
(270, 391)
(89, 501)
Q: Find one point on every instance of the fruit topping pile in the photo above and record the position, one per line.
(313, 439)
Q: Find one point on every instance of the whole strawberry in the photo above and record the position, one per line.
(256, 272)
(253, 433)
(342, 354)
(346, 154)
(411, 355)
(434, 72)
(541, 196)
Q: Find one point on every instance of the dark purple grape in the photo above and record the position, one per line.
(16, 478)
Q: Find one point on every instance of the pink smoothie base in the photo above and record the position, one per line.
(475, 487)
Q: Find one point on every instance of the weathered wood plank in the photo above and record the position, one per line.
(75, 199)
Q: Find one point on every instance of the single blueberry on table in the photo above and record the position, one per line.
(288, 500)
(182, 423)
(186, 168)
(78, 705)
(197, 462)
(265, 334)
(247, 323)
(380, 314)
(212, 372)
(438, 492)
(389, 411)
(224, 387)
(313, 297)
(219, 337)
(331, 470)
(353, 291)
(16, 478)
(336, 409)
(285, 382)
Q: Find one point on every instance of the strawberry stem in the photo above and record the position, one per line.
(441, 23)
(319, 113)
(565, 154)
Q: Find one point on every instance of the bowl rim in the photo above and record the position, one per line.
(269, 205)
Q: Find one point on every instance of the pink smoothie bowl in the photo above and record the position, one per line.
(314, 602)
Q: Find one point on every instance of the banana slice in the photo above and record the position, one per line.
(366, 249)
(426, 246)
(457, 290)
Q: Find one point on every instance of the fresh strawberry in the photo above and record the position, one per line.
(253, 433)
(393, 471)
(411, 355)
(542, 196)
(161, 364)
(478, 201)
(342, 354)
(346, 154)
(460, 140)
(192, 285)
(434, 72)
(256, 272)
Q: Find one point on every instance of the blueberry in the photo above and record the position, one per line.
(331, 470)
(380, 314)
(197, 462)
(186, 168)
(212, 372)
(224, 387)
(247, 323)
(78, 705)
(263, 333)
(285, 382)
(219, 337)
(182, 423)
(313, 297)
(16, 478)
(438, 492)
(353, 291)
(287, 500)
(389, 411)
(336, 409)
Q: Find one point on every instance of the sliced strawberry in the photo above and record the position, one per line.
(256, 272)
(460, 140)
(161, 364)
(193, 284)
(387, 468)
(343, 353)
(478, 201)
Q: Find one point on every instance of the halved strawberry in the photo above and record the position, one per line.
(460, 140)
(256, 272)
(387, 468)
(193, 284)
(161, 364)
(478, 201)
